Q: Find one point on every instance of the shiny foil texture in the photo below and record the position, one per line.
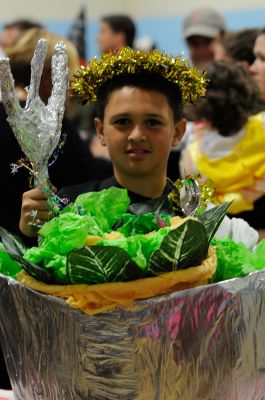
(206, 343)
(37, 126)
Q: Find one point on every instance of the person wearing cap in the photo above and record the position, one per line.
(202, 29)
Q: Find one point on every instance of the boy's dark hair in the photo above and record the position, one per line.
(23, 24)
(124, 24)
(231, 97)
(239, 45)
(146, 81)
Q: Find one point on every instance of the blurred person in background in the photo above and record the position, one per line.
(14, 29)
(74, 163)
(258, 66)
(115, 33)
(202, 29)
(20, 55)
(229, 143)
(237, 46)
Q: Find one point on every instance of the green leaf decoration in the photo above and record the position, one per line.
(161, 205)
(99, 264)
(61, 257)
(181, 248)
(38, 272)
(140, 224)
(12, 243)
(211, 219)
(16, 249)
(8, 266)
(104, 205)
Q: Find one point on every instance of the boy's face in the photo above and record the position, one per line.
(139, 131)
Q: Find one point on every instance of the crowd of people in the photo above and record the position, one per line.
(224, 139)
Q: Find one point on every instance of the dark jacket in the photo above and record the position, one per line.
(139, 204)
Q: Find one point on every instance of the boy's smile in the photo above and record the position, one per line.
(137, 153)
(139, 131)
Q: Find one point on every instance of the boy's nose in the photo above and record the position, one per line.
(137, 134)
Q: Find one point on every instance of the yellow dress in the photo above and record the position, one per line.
(238, 170)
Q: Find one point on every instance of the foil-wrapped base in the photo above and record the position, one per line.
(205, 343)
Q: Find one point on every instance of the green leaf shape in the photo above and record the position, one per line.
(211, 219)
(47, 259)
(258, 256)
(98, 264)
(141, 224)
(12, 243)
(8, 266)
(104, 205)
(235, 259)
(12, 251)
(160, 205)
(66, 232)
(138, 247)
(181, 248)
(38, 272)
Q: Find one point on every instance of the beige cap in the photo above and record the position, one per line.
(203, 22)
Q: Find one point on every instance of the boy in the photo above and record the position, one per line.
(139, 107)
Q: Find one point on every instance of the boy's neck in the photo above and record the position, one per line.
(151, 187)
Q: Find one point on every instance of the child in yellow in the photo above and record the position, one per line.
(229, 145)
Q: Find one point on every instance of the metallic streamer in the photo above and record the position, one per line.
(88, 80)
(205, 343)
(37, 127)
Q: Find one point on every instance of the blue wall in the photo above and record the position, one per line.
(165, 31)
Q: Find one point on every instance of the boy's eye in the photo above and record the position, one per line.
(152, 122)
(122, 122)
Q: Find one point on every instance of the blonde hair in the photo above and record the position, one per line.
(21, 53)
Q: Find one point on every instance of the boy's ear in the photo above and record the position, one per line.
(100, 131)
(180, 129)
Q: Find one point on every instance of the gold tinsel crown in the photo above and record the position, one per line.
(90, 79)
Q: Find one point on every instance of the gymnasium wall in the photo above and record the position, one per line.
(162, 20)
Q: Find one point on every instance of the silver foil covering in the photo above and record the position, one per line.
(37, 127)
(206, 343)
